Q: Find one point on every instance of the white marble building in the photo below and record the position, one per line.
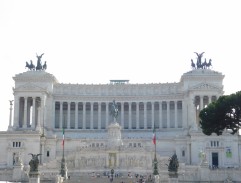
(94, 143)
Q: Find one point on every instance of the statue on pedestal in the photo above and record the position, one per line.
(173, 166)
(114, 110)
(34, 162)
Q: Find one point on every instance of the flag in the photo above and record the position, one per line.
(154, 136)
(63, 138)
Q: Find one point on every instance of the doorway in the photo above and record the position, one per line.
(214, 160)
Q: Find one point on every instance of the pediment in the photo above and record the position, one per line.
(205, 86)
(29, 87)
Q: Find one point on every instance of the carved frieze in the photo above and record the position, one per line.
(117, 90)
(206, 86)
(29, 87)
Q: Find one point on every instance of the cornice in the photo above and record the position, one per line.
(118, 89)
(35, 76)
(118, 98)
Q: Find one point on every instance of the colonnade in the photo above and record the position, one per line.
(132, 115)
(28, 112)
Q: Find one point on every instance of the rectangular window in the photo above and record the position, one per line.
(214, 143)
(183, 153)
(47, 153)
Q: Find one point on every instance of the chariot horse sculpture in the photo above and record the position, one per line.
(30, 66)
(39, 63)
(199, 59)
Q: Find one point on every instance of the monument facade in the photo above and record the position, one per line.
(109, 126)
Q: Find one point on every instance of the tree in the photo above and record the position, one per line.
(225, 113)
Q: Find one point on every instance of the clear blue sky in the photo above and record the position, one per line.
(93, 41)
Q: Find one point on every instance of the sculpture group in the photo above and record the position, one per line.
(199, 64)
(34, 162)
(39, 66)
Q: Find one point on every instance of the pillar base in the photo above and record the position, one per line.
(156, 179)
(172, 180)
(59, 179)
(10, 128)
(18, 173)
(34, 177)
(34, 180)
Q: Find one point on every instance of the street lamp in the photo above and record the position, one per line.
(112, 175)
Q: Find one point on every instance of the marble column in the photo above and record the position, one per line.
(91, 115)
(68, 116)
(168, 114)
(209, 99)
(84, 115)
(34, 113)
(145, 115)
(137, 116)
(122, 115)
(10, 115)
(160, 115)
(201, 103)
(99, 115)
(16, 112)
(76, 115)
(107, 115)
(42, 113)
(25, 112)
(130, 121)
(175, 107)
(61, 115)
(152, 115)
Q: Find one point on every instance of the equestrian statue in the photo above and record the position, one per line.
(114, 110)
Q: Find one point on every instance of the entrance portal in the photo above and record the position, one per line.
(214, 160)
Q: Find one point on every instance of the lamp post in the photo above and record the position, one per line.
(112, 175)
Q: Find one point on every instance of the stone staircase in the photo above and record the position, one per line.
(101, 180)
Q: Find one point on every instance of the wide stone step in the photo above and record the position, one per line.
(101, 180)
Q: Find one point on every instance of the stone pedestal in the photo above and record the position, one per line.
(156, 179)
(34, 177)
(18, 173)
(173, 177)
(204, 172)
(172, 180)
(59, 179)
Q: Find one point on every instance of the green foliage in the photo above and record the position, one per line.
(223, 114)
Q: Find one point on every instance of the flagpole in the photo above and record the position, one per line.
(63, 166)
(155, 163)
